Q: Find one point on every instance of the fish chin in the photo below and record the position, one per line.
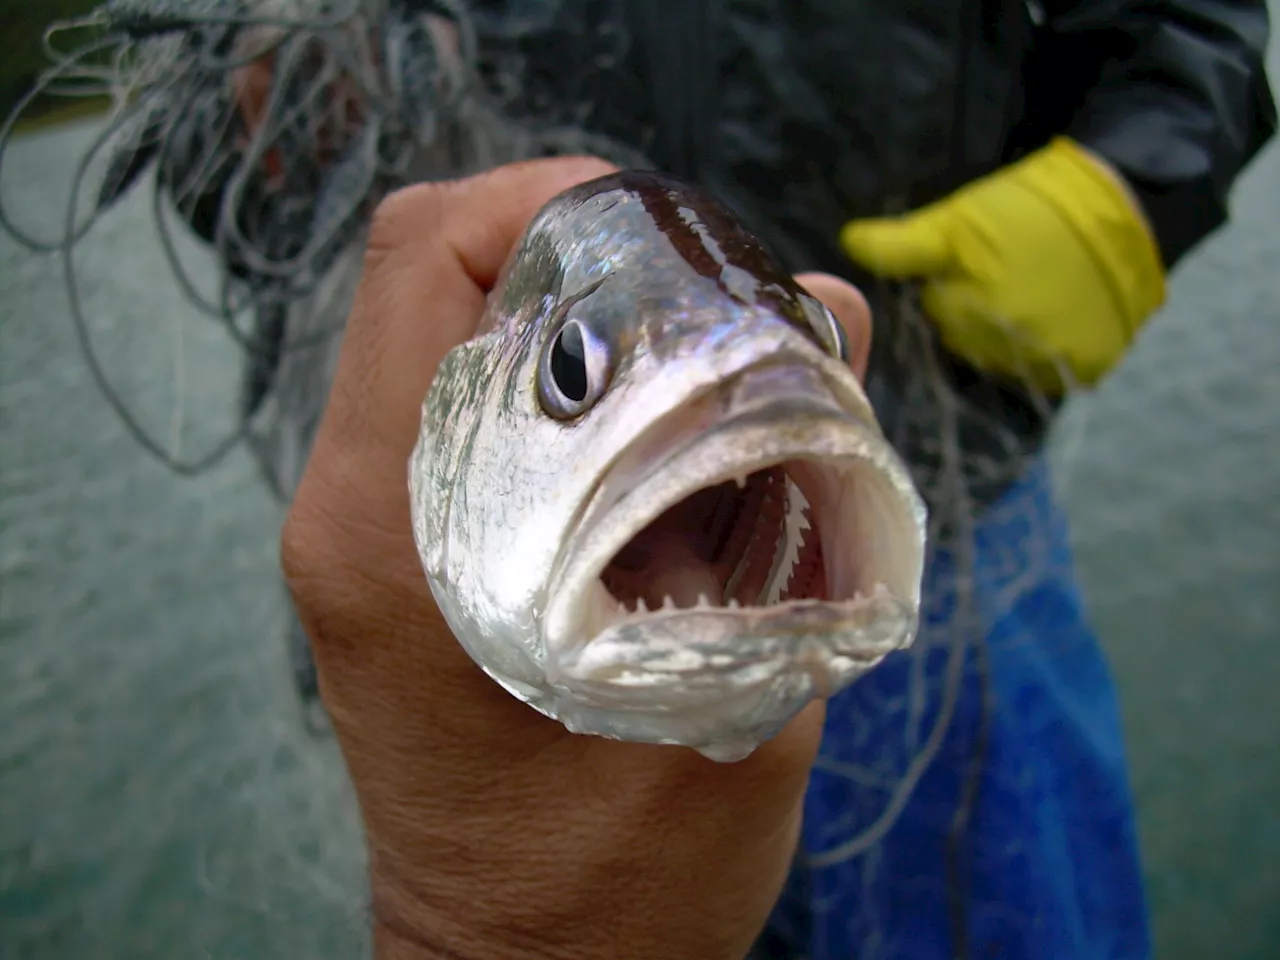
(757, 549)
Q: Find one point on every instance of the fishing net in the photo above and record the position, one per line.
(364, 96)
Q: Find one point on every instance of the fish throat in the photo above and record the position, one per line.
(747, 543)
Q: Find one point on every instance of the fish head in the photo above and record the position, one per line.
(651, 496)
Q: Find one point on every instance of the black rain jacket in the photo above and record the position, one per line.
(803, 114)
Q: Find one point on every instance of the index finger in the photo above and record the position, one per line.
(434, 252)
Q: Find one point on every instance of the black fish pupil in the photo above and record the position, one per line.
(569, 363)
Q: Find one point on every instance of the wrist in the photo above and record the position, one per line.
(390, 943)
(1093, 197)
(1126, 188)
(395, 942)
(403, 930)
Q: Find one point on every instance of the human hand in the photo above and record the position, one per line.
(493, 832)
(1044, 265)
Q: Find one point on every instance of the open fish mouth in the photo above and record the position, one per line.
(747, 542)
(761, 529)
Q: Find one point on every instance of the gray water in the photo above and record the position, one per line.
(1171, 476)
(157, 795)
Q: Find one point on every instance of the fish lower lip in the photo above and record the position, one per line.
(707, 657)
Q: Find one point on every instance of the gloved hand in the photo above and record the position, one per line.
(1046, 264)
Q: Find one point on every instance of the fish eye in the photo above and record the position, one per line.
(574, 371)
(828, 329)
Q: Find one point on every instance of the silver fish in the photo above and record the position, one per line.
(650, 497)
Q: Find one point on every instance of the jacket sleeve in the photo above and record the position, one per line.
(1178, 101)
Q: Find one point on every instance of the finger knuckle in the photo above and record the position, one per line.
(312, 574)
(299, 558)
(403, 215)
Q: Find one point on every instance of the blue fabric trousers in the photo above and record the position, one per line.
(1018, 839)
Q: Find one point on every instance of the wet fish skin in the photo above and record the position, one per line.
(710, 362)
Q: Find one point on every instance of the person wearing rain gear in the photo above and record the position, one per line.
(1035, 168)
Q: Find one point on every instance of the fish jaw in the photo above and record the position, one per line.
(723, 682)
(724, 676)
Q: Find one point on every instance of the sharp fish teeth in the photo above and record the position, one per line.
(641, 606)
(668, 602)
(703, 601)
(741, 481)
(788, 549)
(734, 604)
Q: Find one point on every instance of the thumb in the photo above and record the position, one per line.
(913, 245)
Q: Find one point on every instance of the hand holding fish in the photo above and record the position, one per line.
(494, 832)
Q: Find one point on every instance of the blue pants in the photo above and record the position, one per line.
(1018, 838)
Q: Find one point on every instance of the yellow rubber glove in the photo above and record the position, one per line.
(1043, 265)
